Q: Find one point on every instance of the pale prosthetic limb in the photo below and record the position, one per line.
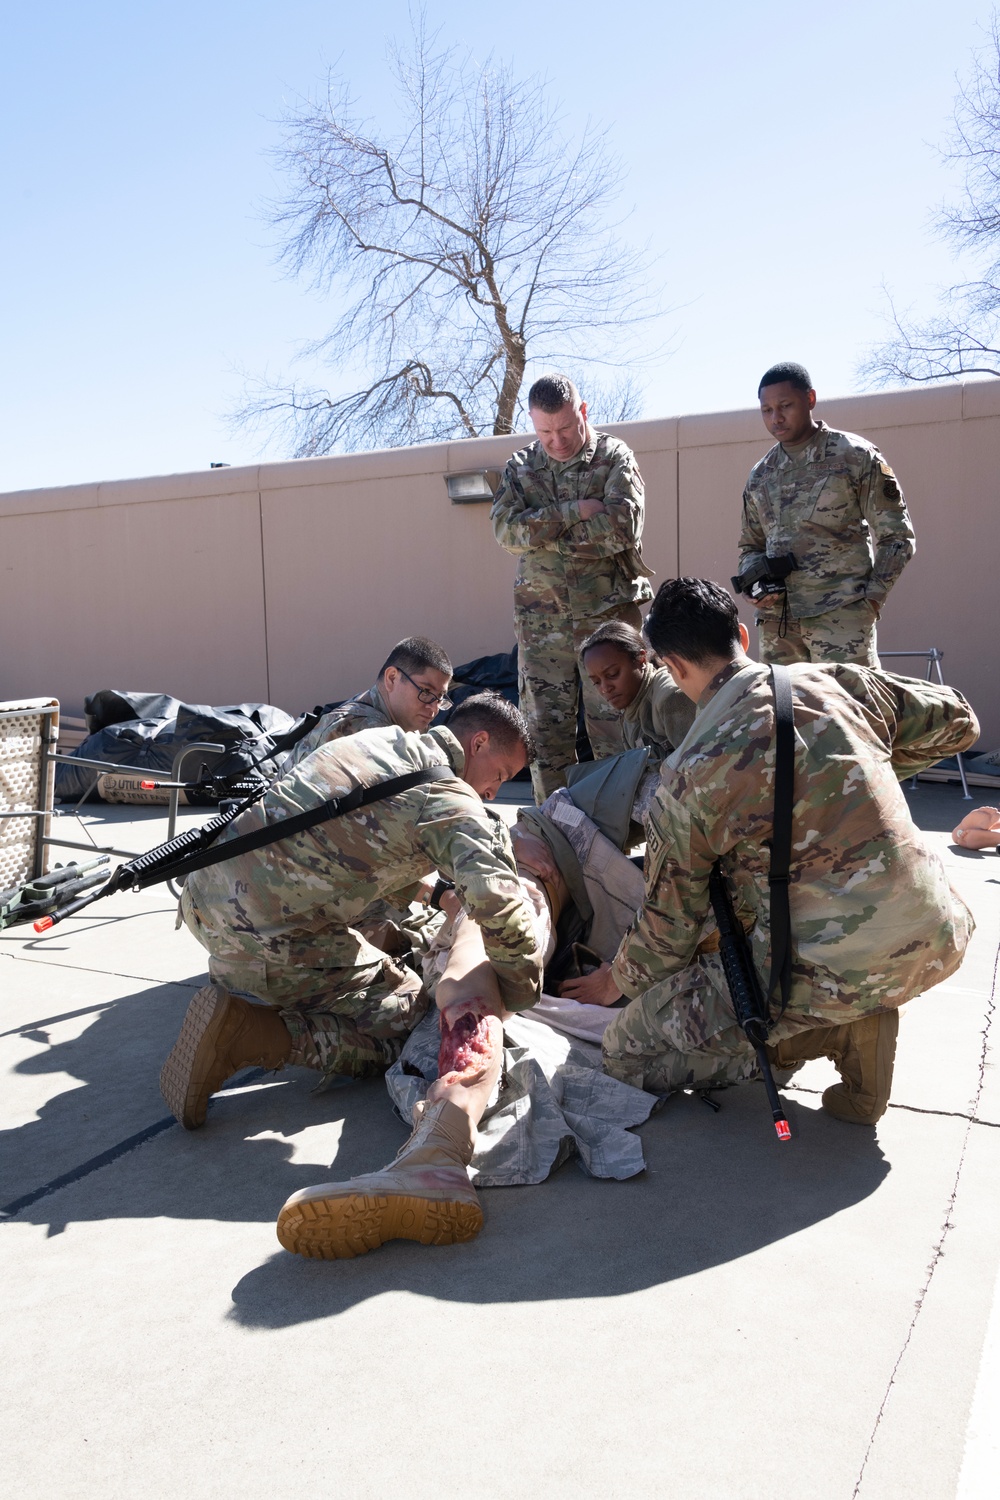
(425, 1193)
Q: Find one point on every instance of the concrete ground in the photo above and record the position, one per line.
(744, 1320)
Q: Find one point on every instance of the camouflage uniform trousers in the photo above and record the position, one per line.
(405, 935)
(350, 1017)
(682, 1033)
(841, 635)
(549, 683)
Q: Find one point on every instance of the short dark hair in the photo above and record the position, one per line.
(788, 371)
(552, 392)
(416, 654)
(502, 721)
(694, 619)
(619, 635)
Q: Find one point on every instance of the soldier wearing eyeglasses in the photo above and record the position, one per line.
(410, 690)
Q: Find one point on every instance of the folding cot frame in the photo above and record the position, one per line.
(49, 756)
(934, 658)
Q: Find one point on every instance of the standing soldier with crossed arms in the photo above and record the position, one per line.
(570, 507)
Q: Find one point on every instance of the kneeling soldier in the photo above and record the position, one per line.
(874, 921)
(293, 981)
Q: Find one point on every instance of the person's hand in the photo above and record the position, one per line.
(533, 854)
(590, 508)
(597, 988)
(450, 903)
(425, 890)
(979, 829)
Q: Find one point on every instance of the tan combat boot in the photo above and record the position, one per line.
(221, 1034)
(865, 1056)
(863, 1051)
(424, 1195)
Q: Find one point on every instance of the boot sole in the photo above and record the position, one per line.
(341, 1227)
(182, 1080)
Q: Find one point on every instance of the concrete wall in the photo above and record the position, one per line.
(287, 582)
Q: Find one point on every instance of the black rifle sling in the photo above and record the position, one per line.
(335, 807)
(779, 871)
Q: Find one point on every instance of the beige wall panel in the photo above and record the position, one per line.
(382, 463)
(981, 398)
(352, 568)
(159, 597)
(711, 490)
(946, 596)
(483, 453)
(647, 437)
(37, 502)
(712, 428)
(659, 537)
(941, 403)
(204, 484)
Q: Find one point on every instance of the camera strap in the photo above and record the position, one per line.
(779, 871)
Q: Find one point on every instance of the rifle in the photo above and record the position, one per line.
(745, 989)
(50, 893)
(175, 856)
(193, 850)
(188, 850)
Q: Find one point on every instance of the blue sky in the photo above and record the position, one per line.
(782, 161)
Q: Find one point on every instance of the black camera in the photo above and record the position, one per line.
(765, 577)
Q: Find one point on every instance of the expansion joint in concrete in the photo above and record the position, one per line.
(915, 1109)
(180, 984)
(947, 1224)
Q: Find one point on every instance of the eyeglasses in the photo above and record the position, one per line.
(424, 694)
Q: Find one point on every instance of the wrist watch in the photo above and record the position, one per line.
(439, 890)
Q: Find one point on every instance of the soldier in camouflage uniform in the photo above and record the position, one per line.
(570, 507)
(874, 920)
(830, 500)
(654, 712)
(410, 691)
(278, 922)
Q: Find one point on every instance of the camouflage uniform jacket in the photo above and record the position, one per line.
(659, 715)
(367, 711)
(874, 920)
(582, 567)
(836, 506)
(290, 893)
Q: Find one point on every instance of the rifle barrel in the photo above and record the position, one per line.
(745, 990)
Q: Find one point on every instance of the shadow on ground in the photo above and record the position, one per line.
(939, 807)
(717, 1188)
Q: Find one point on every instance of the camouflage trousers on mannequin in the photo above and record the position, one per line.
(549, 685)
(846, 634)
(682, 1034)
(348, 1006)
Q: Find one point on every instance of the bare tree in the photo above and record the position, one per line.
(964, 338)
(474, 238)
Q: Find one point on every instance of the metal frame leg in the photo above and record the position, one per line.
(934, 658)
